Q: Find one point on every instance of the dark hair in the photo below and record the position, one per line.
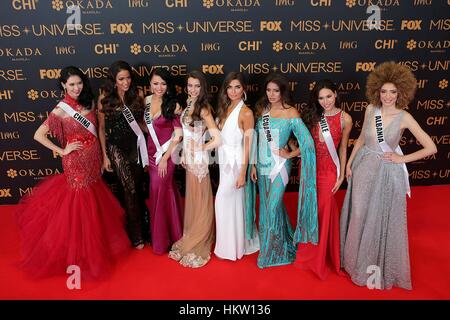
(313, 111)
(223, 100)
(86, 96)
(202, 101)
(282, 84)
(111, 98)
(169, 99)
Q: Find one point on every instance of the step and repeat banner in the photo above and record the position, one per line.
(306, 40)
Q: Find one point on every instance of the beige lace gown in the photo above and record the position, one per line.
(194, 248)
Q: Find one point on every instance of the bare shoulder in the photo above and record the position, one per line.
(293, 112)
(205, 112)
(178, 109)
(246, 112)
(408, 119)
(369, 108)
(347, 117)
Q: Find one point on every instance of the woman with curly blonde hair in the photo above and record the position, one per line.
(373, 224)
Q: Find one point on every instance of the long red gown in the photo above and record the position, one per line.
(324, 257)
(72, 218)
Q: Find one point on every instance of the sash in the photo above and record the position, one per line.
(138, 132)
(330, 144)
(279, 161)
(78, 117)
(159, 149)
(386, 148)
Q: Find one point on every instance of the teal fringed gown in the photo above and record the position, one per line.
(278, 239)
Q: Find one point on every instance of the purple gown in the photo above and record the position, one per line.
(166, 214)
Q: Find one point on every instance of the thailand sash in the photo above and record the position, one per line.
(279, 161)
(330, 144)
(159, 149)
(78, 117)
(138, 132)
(386, 148)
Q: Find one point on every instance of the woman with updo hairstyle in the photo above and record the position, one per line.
(373, 224)
(72, 218)
(162, 118)
(330, 128)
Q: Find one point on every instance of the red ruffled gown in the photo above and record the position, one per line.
(72, 218)
(325, 256)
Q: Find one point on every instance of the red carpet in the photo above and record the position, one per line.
(143, 275)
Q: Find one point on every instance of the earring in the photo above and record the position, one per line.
(245, 96)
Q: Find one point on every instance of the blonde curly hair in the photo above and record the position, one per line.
(391, 72)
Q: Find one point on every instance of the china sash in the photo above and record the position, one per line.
(330, 144)
(386, 148)
(279, 161)
(159, 149)
(78, 117)
(138, 132)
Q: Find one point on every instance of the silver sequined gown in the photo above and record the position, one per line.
(373, 227)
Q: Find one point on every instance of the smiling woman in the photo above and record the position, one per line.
(72, 218)
(120, 114)
(373, 224)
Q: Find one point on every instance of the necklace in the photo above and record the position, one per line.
(332, 112)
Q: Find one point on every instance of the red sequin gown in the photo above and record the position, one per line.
(72, 218)
(324, 257)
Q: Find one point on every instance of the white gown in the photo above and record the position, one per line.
(230, 202)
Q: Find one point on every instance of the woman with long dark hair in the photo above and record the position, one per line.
(162, 118)
(194, 248)
(72, 219)
(121, 109)
(330, 128)
(271, 165)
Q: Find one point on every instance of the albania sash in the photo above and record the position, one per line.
(387, 148)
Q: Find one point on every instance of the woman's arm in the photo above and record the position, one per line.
(247, 123)
(424, 139)
(348, 123)
(216, 139)
(41, 136)
(101, 134)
